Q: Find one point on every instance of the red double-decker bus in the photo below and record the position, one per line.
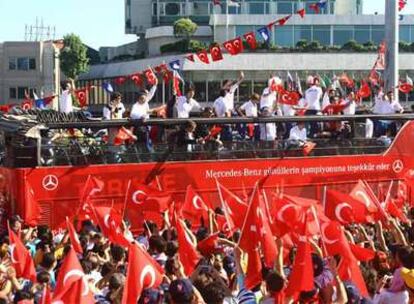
(38, 154)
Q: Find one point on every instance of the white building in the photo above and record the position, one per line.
(28, 67)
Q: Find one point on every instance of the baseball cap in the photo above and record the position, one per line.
(150, 296)
(181, 291)
(408, 277)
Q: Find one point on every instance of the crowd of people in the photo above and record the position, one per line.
(193, 258)
(335, 99)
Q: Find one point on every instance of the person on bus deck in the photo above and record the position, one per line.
(222, 110)
(65, 99)
(115, 108)
(230, 87)
(141, 109)
(297, 136)
(267, 133)
(313, 97)
(249, 109)
(186, 137)
(185, 104)
(386, 104)
(268, 98)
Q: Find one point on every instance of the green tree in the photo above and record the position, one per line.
(73, 58)
(185, 28)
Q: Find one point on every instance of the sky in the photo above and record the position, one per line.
(97, 22)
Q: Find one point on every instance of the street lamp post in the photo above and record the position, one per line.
(391, 39)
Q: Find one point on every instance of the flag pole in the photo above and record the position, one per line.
(126, 197)
(157, 179)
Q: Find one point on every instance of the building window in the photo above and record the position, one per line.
(172, 9)
(342, 34)
(284, 36)
(21, 92)
(362, 34)
(303, 32)
(12, 63)
(256, 8)
(23, 64)
(243, 29)
(322, 33)
(377, 33)
(12, 93)
(405, 33)
(200, 91)
(284, 7)
(234, 9)
(201, 8)
(32, 64)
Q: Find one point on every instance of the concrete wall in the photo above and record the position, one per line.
(141, 16)
(45, 78)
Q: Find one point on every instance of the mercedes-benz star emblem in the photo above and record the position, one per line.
(50, 182)
(397, 166)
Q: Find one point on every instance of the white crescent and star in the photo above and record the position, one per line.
(338, 211)
(282, 210)
(325, 238)
(364, 197)
(13, 259)
(148, 270)
(134, 196)
(80, 274)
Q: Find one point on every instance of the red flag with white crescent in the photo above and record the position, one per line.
(20, 258)
(74, 239)
(150, 76)
(82, 96)
(250, 38)
(203, 56)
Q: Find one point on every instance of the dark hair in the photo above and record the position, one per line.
(223, 92)
(190, 124)
(172, 249)
(213, 293)
(274, 282)
(117, 253)
(43, 277)
(48, 260)
(190, 89)
(157, 243)
(115, 95)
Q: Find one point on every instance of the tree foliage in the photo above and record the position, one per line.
(73, 58)
(185, 28)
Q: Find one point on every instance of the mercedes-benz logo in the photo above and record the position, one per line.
(50, 182)
(397, 166)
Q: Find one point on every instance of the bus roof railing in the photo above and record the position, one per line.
(227, 120)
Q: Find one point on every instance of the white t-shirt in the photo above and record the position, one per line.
(298, 134)
(140, 111)
(184, 108)
(288, 110)
(350, 109)
(66, 102)
(268, 131)
(250, 108)
(383, 106)
(230, 97)
(268, 99)
(313, 97)
(221, 107)
(369, 128)
(107, 112)
(386, 297)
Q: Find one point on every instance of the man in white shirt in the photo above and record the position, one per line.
(249, 109)
(268, 99)
(65, 99)
(221, 106)
(115, 108)
(313, 97)
(297, 136)
(140, 109)
(267, 130)
(231, 87)
(386, 104)
(186, 104)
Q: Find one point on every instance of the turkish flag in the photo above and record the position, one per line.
(234, 46)
(203, 56)
(361, 253)
(254, 269)
(46, 296)
(301, 13)
(82, 96)
(301, 277)
(209, 245)
(232, 205)
(249, 234)
(344, 208)
(405, 88)
(159, 69)
(85, 211)
(92, 186)
(146, 198)
(308, 147)
(250, 38)
(190, 57)
(286, 216)
(363, 192)
(282, 21)
(167, 76)
(334, 239)
(20, 258)
(110, 222)
(194, 207)
(289, 97)
(348, 270)
(137, 79)
(72, 285)
(120, 80)
(395, 211)
(31, 208)
(187, 252)
(124, 135)
(143, 273)
(225, 224)
(74, 239)
(334, 109)
(150, 76)
(215, 53)
(314, 7)
(364, 90)
(267, 241)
